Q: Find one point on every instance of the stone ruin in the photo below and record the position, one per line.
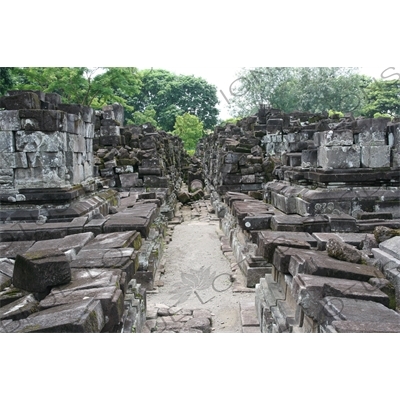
(309, 206)
(85, 203)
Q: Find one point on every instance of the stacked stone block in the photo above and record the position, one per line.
(44, 144)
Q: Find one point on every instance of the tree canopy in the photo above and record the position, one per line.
(297, 89)
(190, 129)
(382, 97)
(173, 95)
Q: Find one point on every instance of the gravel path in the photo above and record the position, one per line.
(199, 287)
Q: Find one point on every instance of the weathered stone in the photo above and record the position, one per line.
(6, 142)
(9, 120)
(391, 246)
(116, 240)
(38, 271)
(353, 315)
(70, 242)
(13, 160)
(342, 157)
(375, 156)
(342, 251)
(11, 249)
(129, 180)
(22, 101)
(85, 316)
(43, 120)
(111, 299)
(20, 308)
(308, 290)
(333, 138)
(383, 233)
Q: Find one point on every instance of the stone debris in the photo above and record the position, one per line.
(308, 207)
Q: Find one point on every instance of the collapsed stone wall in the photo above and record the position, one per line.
(85, 204)
(308, 239)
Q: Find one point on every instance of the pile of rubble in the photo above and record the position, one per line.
(85, 204)
(316, 241)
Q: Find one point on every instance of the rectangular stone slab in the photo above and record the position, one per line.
(116, 240)
(11, 249)
(112, 301)
(358, 311)
(20, 308)
(121, 223)
(308, 290)
(391, 246)
(86, 278)
(323, 265)
(83, 317)
(75, 242)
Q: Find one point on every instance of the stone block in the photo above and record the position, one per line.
(375, 156)
(11, 249)
(110, 131)
(359, 316)
(76, 143)
(87, 113)
(9, 120)
(287, 223)
(53, 98)
(38, 141)
(71, 242)
(309, 158)
(22, 101)
(85, 316)
(129, 180)
(112, 141)
(75, 124)
(156, 181)
(111, 299)
(369, 138)
(334, 138)
(19, 309)
(7, 142)
(13, 160)
(309, 290)
(38, 271)
(391, 246)
(371, 126)
(341, 157)
(116, 240)
(46, 160)
(119, 113)
(43, 120)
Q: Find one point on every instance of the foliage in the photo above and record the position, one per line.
(190, 129)
(335, 114)
(232, 121)
(173, 95)
(93, 87)
(140, 118)
(308, 89)
(382, 97)
(6, 81)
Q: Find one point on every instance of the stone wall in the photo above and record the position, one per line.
(44, 144)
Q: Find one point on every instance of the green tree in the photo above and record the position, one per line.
(190, 129)
(93, 87)
(6, 81)
(382, 98)
(140, 118)
(173, 95)
(308, 89)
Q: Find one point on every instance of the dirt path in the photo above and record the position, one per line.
(199, 288)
